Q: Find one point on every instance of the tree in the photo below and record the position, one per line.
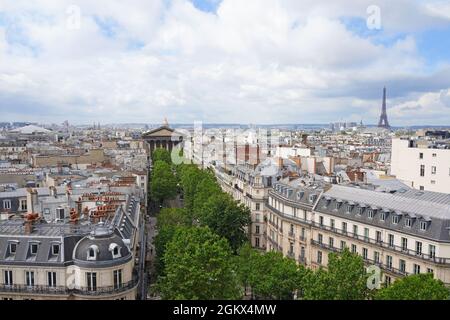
(415, 287)
(273, 276)
(206, 187)
(225, 217)
(345, 279)
(164, 236)
(190, 177)
(160, 154)
(173, 217)
(163, 183)
(198, 265)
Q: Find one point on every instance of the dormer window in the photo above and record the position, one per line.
(395, 219)
(337, 205)
(115, 250)
(383, 216)
(370, 214)
(299, 195)
(34, 248)
(408, 222)
(55, 249)
(12, 248)
(312, 197)
(360, 210)
(60, 213)
(349, 208)
(423, 226)
(92, 252)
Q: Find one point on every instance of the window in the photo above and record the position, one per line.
(383, 216)
(331, 242)
(434, 155)
(360, 210)
(423, 225)
(319, 257)
(429, 270)
(349, 208)
(343, 245)
(432, 251)
(117, 275)
(353, 248)
(364, 253)
(366, 234)
(321, 221)
(370, 214)
(257, 242)
(433, 170)
(433, 181)
(258, 207)
(91, 281)
(8, 278)
(355, 230)
(336, 206)
(378, 236)
(408, 222)
(7, 204)
(416, 269)
(389, 262)
(395, 219)
(404, 244)
(29, 277)
(418, 247)
(402, 266)
(60, 213)
(256, 230)
(422, 170)
(420, 155)
(344, 227)
(33, 248)
(92, 252)
(421, 188)
(320, 238)
(51, 279)
(12, 248)
(303, 233)
(332, 224)
(302, 252)
(23, 205)
(387, 280)
(391, 240)
(257, 217)
(55, 249)
(376, 257)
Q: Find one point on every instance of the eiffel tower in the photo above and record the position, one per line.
(384, 123)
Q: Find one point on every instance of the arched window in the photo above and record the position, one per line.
(92, 252)
(115, 250)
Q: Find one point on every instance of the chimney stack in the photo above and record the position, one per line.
(30, 218)
(32, 200)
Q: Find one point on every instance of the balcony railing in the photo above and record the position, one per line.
(62, 290)
(400, 249)
(385, 267)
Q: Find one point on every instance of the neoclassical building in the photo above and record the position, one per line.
(162, 137)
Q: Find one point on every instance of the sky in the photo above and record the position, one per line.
(224, 61)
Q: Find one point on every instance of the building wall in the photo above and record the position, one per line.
(406, 164)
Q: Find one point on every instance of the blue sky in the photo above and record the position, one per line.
(253, 61)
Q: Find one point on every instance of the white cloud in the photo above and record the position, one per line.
(252, 61)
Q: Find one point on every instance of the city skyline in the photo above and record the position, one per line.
(262, 62)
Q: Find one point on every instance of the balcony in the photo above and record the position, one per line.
(291, 234)
(61, 290)
(377, 242)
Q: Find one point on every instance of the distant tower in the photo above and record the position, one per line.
(384, 123)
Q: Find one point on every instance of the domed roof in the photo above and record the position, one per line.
(102, 245)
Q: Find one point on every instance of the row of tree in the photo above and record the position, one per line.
(202, 252)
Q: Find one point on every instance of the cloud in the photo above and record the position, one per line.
(253, 61)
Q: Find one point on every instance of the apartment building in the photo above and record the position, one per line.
(402, 232)
(72, 244)
(422, 164)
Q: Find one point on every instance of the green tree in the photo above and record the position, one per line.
(164, 236)
(206, 187)
(190, 176)
(163, 184)
(226, 217)
(198, 265)
(415, 287)
(345, 279)
(160, 154)
(173, 217)
(274, 276)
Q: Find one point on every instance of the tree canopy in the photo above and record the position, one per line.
(415, 287)
(163, 184)
(198, 265)
(161, 154)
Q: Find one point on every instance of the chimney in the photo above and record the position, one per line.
(32, 200)
(30, 218)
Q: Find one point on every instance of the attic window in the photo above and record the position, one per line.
(423, 225)
(395, 219)
(408, 222)
(12, 248)
(34, 248)
(55, 249)
(115, 250)
(92, 252)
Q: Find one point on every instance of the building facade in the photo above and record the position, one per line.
(422, 164)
